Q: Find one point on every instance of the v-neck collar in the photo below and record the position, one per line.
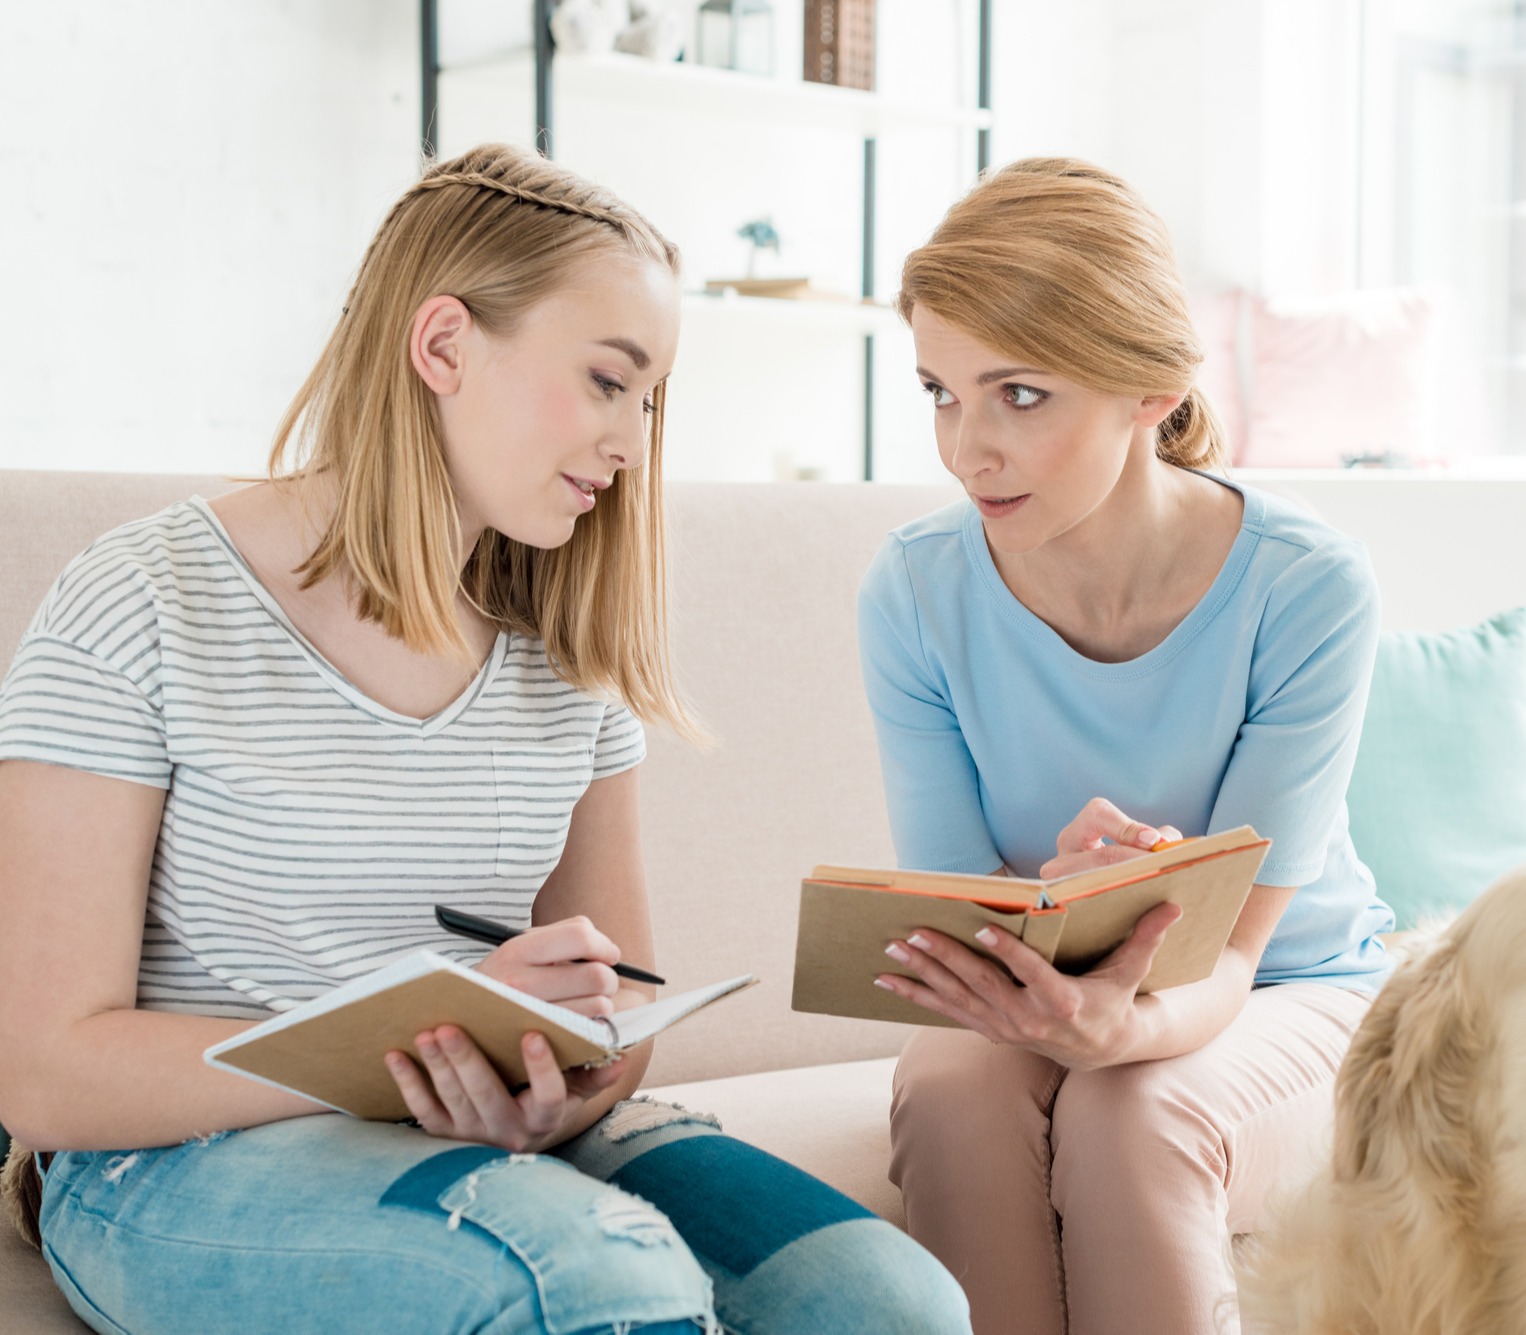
(435, 723)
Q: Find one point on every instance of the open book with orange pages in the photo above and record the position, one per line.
(849, 914)
(332, 1048)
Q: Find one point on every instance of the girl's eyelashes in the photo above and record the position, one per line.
(609, 388)
(941, 397)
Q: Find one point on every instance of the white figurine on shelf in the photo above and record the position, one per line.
(657, 30)
(589, 27)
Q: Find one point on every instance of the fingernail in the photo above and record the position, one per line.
(1147, 836)
(453, 1042)
(986, 936)
(880, 982)
(898, 952)
(918, 940)
(535, 1045)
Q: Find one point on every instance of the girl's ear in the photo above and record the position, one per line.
(436, 342)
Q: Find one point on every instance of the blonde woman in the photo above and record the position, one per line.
(1105, 644)
(246, 746)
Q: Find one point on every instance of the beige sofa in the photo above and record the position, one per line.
(764, 580)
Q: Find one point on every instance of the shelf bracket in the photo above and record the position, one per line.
(429, 77)
(545, 49)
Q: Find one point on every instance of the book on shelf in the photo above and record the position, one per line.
(332, 1048)
(849, 914)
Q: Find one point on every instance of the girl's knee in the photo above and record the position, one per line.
(593, 1255)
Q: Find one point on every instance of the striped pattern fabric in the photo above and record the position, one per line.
(308, 831)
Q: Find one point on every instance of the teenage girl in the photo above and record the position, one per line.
(245, 748)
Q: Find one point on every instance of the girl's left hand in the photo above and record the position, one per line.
(1082, 1022)
(459, 1095)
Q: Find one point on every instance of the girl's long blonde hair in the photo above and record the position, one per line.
(1057, 263)
(499, 228)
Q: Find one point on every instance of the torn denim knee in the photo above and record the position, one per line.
(597, 1256)
(633, 1116)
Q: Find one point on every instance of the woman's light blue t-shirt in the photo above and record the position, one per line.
(994, 733)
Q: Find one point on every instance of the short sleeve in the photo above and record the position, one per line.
(932, 789)
(63, 704)
(1307, 693)
(620, 744)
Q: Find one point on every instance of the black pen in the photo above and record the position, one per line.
(495, 934)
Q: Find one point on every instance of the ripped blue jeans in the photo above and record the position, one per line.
(652, 1221)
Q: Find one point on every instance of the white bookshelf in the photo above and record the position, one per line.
(698, 90)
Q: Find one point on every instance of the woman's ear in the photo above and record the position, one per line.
(436, 342)
(1154, 410)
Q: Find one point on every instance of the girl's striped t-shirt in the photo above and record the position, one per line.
(308, 831)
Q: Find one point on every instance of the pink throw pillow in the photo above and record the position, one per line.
(1216, 318)
(1336, 377)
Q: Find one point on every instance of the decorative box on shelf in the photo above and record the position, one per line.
(839, 42)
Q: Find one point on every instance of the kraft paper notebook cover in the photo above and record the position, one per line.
(331, 1048)
(848, 914)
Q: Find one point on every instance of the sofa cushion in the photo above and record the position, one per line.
(833, 1121)
(31, 1303)
(1439, 787)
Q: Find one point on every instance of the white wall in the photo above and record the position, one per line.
(188, 187)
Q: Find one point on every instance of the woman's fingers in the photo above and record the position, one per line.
(1099, 819)
(1130, 964)
(942, 964)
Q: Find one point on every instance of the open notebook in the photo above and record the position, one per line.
(848, 914)
(331, 1048)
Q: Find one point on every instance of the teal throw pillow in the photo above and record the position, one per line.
(1438, 795)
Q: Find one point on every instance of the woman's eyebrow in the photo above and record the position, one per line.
(632, 350)
(987, 377)
(1005, 373)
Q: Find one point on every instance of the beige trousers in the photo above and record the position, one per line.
(1103, 1202)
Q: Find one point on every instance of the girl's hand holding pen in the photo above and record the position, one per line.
(496, 933)
(569, 962)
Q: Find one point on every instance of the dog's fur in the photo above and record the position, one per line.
(1418, 1227)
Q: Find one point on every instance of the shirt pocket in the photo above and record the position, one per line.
(538, 786)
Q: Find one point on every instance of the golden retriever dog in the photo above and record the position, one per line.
(1419, 1225)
